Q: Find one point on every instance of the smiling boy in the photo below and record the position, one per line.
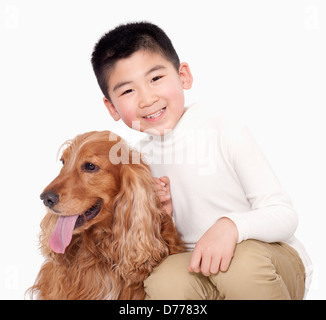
(130, 82)
(236, 219)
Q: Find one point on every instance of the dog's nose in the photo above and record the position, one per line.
(50, 198)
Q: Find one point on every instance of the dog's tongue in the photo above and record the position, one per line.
(62, 233)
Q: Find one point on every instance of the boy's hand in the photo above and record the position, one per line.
(214, 250)
(162, 190)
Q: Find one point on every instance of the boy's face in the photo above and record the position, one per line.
(146, 92)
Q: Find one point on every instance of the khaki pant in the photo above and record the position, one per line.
(257, 271)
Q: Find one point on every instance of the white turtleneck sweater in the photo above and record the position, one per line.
(217, 170)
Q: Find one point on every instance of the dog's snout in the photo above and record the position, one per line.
(50, 198)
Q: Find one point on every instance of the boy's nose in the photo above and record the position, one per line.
(147, 99)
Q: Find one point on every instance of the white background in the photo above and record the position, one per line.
(261, 60)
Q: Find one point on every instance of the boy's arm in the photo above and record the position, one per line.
(271, 218)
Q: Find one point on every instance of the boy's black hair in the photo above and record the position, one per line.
(125, 40)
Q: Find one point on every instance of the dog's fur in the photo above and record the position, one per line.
(110, 256)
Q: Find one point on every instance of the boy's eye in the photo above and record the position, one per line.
(126, 92)
(157, 78)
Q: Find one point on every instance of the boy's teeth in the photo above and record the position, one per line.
(156, 114)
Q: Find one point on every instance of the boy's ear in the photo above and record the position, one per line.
(185, 75)
(113, 111)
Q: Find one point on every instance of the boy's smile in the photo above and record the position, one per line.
(146, 92)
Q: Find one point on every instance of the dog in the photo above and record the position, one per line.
(105, 230)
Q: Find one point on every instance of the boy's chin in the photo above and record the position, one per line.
(154, 130)
(157, 131)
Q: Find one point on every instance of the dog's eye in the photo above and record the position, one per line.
(62, 161)
(90, 167)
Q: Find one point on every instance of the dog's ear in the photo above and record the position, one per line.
(137, 241)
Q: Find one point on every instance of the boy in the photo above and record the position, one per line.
(222, 191)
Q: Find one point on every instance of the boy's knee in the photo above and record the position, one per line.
(172, 281)
(251, 275)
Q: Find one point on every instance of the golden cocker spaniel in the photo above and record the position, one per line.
(104, 230)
